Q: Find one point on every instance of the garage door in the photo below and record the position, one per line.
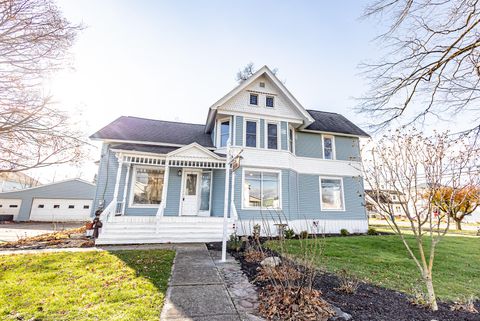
(60, 210)
(10, 207)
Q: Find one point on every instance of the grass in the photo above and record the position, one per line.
(383, 260)
(120, 285)
(408, 230)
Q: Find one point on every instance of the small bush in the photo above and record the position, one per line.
(303, 235)
(234, 243)
(344, 232)
(467, 305)
(372, 231)
(279, 273)
(289, 233)
(256, 232)
(348, 283)
(254, 256)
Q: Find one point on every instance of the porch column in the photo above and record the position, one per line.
(125, 189)
(225, 203)
(117, 180)
(163, 204)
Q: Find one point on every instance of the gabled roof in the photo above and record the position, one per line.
(135, 129)
(269, 74)
(333, 123)
(45, 186)
(196, 150)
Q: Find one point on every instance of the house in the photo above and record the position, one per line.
(162, 181)
(64, 201)
(394, 201)
(12, 181)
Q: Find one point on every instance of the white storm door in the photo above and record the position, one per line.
(189, 200)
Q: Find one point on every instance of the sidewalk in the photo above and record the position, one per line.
(196, 291)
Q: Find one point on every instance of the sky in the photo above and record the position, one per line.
(171, 60)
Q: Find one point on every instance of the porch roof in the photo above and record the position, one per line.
(152, 149)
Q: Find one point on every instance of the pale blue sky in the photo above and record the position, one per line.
(172, 59)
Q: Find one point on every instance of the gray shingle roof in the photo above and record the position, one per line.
(146, 148)
(158, 131)
(334, 123)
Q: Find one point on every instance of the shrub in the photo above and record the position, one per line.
(289, 233)
(303, 235)
(256, 232)
(344, 232)
(372, 231)
(348, 283)
(234, 243)
(279, 273)
(254, 256)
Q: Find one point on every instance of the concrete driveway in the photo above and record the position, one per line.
(15, 231)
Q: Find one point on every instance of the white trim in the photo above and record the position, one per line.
(331, 133)
(142, 142)
(261, 170)
(209, 212)
(258, 99)
(343, 209)
(257, 138)
(292, 129)
(218, 130)
(270, 96)
(172, 154)
(334, 153)
(279, 129)
(132, 185)
(297, 121)
(125, 189)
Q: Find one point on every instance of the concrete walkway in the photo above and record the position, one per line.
(196, 291)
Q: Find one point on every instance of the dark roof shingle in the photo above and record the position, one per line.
(129, 128)
(333, 123)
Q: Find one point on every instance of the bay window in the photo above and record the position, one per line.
(261, 189)
(272, 136)
(331, 194)
(147, 186)
(251, 133)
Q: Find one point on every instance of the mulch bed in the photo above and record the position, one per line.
(62, 239)
(370, 302)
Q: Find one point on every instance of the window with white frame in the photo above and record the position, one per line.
(251, 133)
(328, 148)
(331, 194)
(147, 186)
(224, 133)
(272, 136)
(290, 140)
(253, 99)
(205, 188)
(261, 189)
(269, 101)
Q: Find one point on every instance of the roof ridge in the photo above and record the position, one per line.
(323, 111)
(166, 121)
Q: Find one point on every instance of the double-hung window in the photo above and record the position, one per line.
(251, 133)
(328, 147)
(272, 136)
(224, 132)
(147, 186)
(331, 194)
(253, 99)
(261, 189)
(269, 101)
(290, 140)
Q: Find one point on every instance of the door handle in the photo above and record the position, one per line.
(183, 199)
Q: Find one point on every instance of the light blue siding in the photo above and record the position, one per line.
(106, 177)
(238, 131)
(283, 135)
(308, 145)
(71, 189)
(173, 193)
(347, 148)
(218, 192)
(262, 133)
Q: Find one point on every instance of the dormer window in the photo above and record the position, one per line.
(254, 99)
(269, 101)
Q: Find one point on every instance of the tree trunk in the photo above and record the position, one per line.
(432, 299)
(458, 224)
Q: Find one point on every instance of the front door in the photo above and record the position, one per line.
(190, 193)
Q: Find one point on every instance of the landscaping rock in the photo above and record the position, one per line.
(340, 315)
(272, 261)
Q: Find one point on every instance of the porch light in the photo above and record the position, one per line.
(179, 172)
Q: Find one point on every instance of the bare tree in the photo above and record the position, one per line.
(34, 42)
(432, 67)
(248, 71)
(418, 167)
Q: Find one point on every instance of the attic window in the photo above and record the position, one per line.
(262, 84)
(269, 101)
(253, 99)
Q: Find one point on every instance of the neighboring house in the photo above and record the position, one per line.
(162, 181)
(69, 200)
(394, 200)
(16, 181)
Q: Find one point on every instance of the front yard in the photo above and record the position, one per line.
(119, 285)
(384, 261)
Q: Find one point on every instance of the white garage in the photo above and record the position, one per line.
(60, 210)
(65, 201)
(10, 207)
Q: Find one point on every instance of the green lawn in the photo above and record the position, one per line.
(119, 285)
(383, 260)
